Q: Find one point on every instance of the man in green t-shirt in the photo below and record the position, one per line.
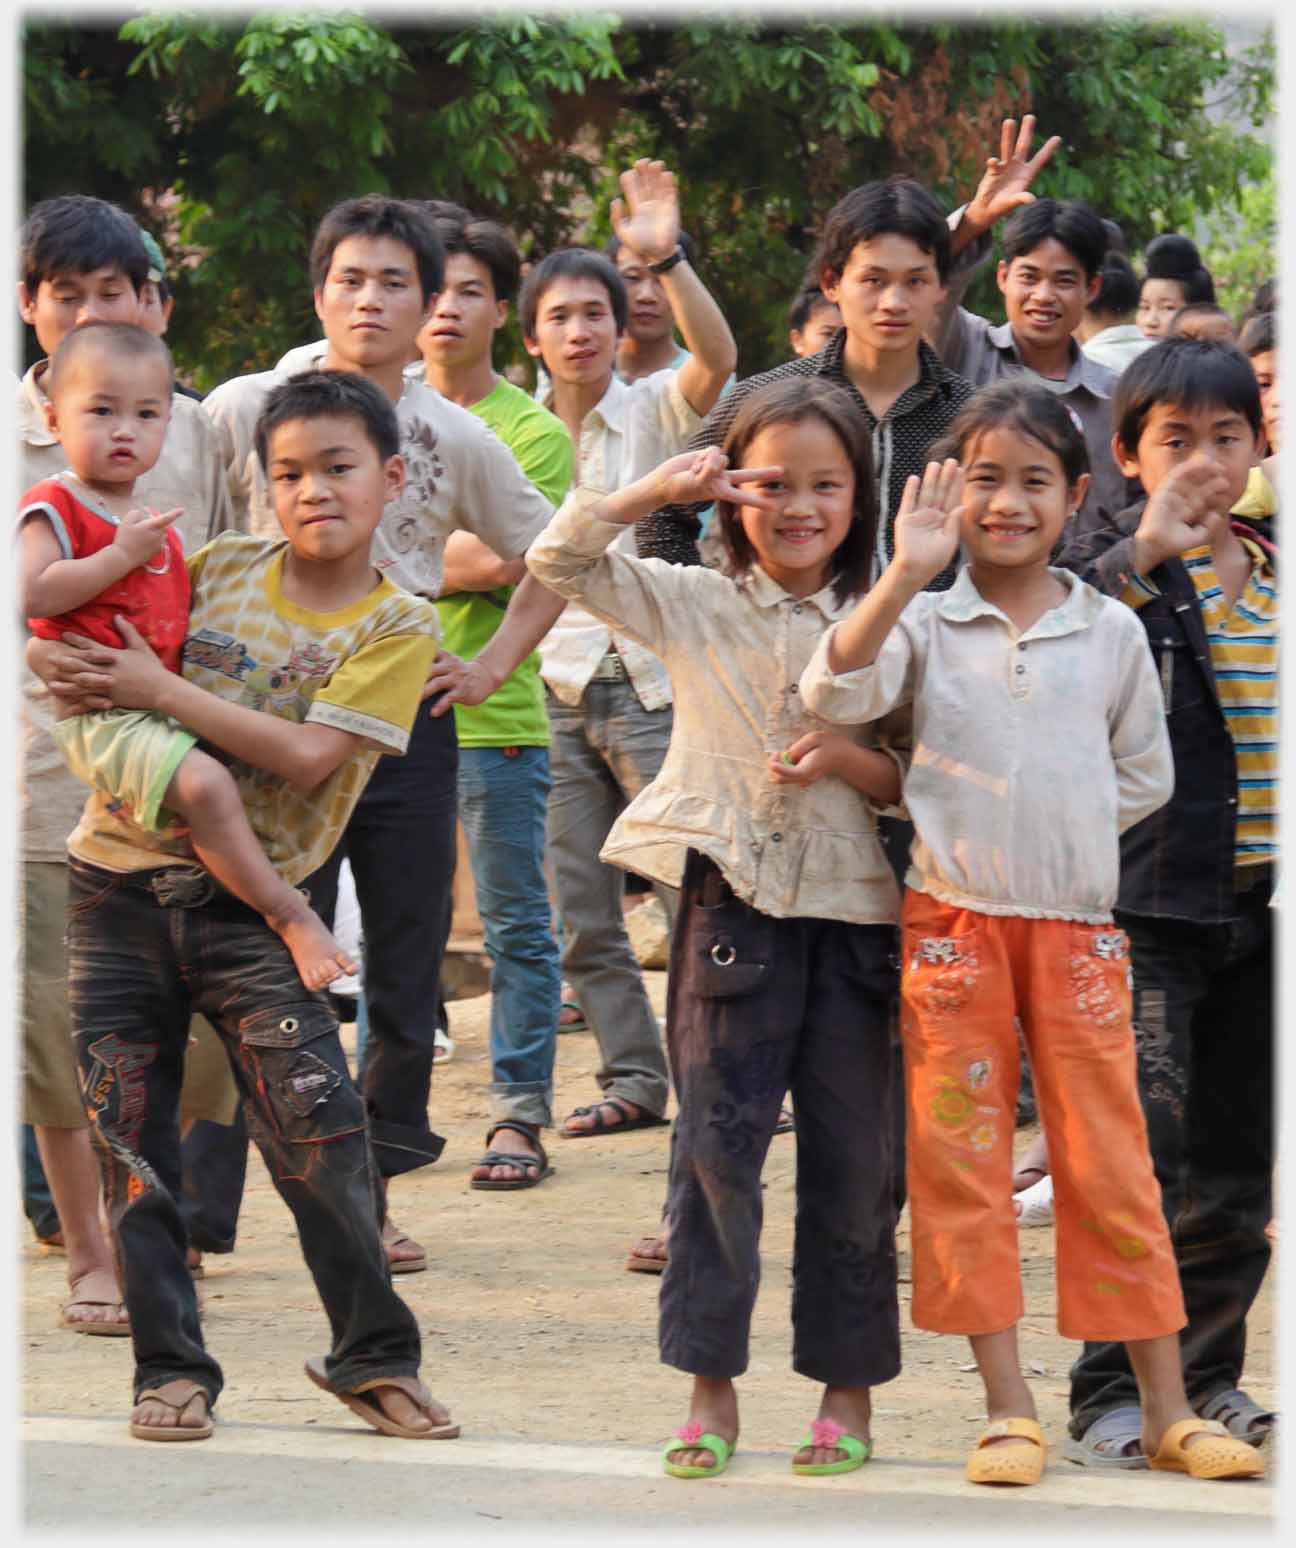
(503, 743)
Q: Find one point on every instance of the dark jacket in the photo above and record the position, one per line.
(1178, 863)
(901, 442)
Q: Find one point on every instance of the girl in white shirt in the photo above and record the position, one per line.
(783, 969)
(1039, 736)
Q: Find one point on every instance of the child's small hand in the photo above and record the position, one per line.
(706, 475)
(142, 533)
(927, 523)
(809, 758)
(1186, 510)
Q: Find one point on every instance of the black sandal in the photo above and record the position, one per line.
(515, 1158)
(643, 1121)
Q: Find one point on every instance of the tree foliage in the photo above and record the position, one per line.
(230, 137)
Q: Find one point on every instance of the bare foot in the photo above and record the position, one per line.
(849, 1407)
(319, 958)
(95, 1298)
(180, 1404)
(715, 1408)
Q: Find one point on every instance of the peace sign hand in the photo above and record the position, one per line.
(706, 475)
(1005, 184)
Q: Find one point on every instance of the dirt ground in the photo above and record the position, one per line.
(531, 1326)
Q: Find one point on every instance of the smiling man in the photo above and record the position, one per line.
(1051, 269)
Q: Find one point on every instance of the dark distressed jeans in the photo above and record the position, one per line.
(145, 949)
(401, 844)
(1203, 1024)
(760, 1006)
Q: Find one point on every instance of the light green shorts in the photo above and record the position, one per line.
(130, 754)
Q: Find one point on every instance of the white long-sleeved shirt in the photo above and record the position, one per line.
(734, 651)
(1032, 752)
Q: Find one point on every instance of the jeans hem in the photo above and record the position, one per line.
(528, 1104)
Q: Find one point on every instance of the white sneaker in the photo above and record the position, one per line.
(1035, 1204)
(442, 1047)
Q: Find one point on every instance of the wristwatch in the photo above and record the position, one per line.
(667, 264)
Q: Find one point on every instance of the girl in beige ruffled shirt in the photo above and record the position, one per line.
(783, 969)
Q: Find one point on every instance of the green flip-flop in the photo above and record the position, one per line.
(825, 1433)
(690, 1438)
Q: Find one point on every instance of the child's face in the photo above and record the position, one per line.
(111, 413)
(575, 331)
(1015, 500)
(1159, 300)
(795, 544)
(329, 484)
(1265, 366)
(62, 301)
(1172, 433)
(887, 293)
(1045, 293)
(461, 327)
(370, 303)
(823, 321)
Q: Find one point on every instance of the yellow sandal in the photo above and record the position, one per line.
(1220, 1455)
(1019, 1464)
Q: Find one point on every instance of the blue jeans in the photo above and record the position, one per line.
(38, 1202)
(502, 796)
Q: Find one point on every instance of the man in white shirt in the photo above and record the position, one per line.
(609, 699)
(377, 265)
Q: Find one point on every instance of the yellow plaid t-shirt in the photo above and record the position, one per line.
(360, 669)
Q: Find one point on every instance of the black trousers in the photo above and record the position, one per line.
(1203, 1023)
(145, 950)
(401, 845)
(759, 1006)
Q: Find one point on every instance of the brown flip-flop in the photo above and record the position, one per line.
(173, 1432)
(644, 1263)
(76, 1297)
(371, 1411)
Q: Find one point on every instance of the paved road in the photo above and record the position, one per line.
(88, 1473)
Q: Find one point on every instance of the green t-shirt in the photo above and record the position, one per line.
(514, 715)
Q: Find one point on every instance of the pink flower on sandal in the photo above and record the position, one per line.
(690, 1433)
(826, 1432)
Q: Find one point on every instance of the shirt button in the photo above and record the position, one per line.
(792, 688)
(1020, 669)
(798, 608)
(776, 838)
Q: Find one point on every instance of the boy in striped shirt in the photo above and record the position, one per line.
(1197, 876)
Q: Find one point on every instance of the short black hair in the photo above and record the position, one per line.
(319, 394)
(375, 215)
(119, 338)
(1174, 257)
(1259, 335)
(572, 263)
(613, 246)
(1028, 410)
(490, 244)
(793, 401)
(444, 209)
(1189, 373)
(1193, 311)
(76, 234)
(897, 205)
(1266, 297)
(1118, 288)
(1116, 242)
(804, 305)
(1068, 221)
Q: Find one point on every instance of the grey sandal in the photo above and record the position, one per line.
(519, 1160)
(1240, 1415)
(1103, 1443)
